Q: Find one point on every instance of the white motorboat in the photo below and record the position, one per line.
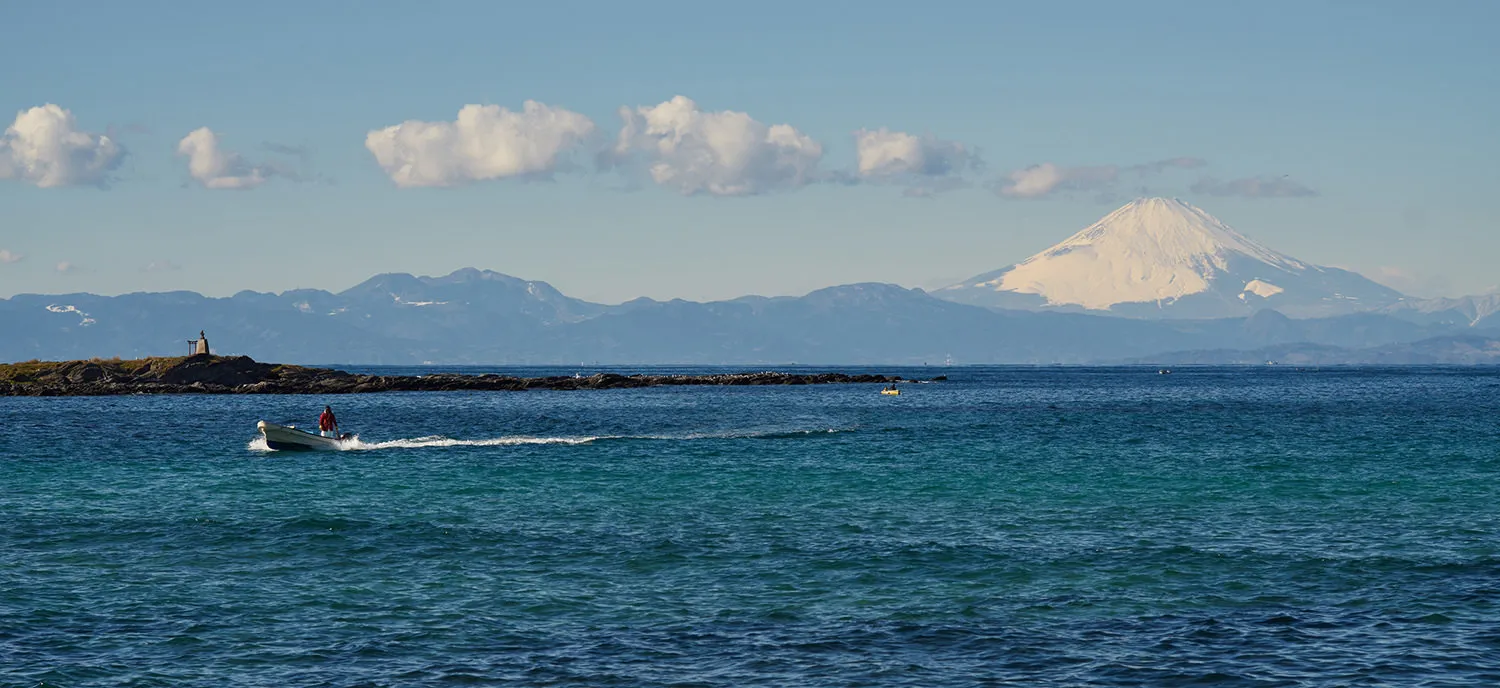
(284, 437)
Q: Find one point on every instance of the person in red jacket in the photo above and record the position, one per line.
(327, 424)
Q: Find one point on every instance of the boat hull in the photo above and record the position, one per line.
(287, 438)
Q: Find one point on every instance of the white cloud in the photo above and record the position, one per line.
(884, 153)
(161, 266)
(718, 153)
(1253, 187)
(9, 257)
(216, 168)
(485, 142)
(44, 147)
(1159, 166)
(65, 267)
(1043, 180)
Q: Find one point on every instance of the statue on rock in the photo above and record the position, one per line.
(202, 347)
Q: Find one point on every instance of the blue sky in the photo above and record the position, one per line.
(1360, 135)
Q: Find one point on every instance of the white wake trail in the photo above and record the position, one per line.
(355, 444)
(440, 441)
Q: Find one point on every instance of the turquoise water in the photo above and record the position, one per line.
(1108, 527)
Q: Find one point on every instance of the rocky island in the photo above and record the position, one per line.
(209, 374)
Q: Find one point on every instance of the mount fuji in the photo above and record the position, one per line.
(1163, 258)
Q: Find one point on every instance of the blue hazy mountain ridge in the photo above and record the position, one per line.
(1448, 350)
(1481, 311)
(485, 317)
(854, 323)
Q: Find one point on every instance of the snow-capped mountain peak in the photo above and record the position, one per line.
(1160, 253)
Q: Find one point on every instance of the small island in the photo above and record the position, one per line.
(209, 374)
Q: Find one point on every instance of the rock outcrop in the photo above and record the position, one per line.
(206, 374)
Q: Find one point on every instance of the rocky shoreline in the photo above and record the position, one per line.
(206, 374)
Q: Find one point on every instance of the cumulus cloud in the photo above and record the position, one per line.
(484, 142)
(718, 153)
(216, 168)
(884, 154)
(45, 147)
(9, 257)
(1252, 187)
(65, 267)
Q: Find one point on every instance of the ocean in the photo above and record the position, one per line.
(1008, 526)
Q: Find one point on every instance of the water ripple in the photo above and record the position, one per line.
(1013, 526)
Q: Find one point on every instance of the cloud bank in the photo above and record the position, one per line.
(717, 153)
(44, 147)
(216, 168)
(484, 142)
(678, 144)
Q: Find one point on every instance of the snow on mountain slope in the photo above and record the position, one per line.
(1469, 311)
(1261, 288)
(1157, 257)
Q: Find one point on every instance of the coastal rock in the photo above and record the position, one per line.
(207, 374)
(217, 370)
(86, 372)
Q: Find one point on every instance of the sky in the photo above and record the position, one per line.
(686, 150)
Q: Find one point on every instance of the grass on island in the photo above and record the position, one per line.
(138, 369)
(37, 370)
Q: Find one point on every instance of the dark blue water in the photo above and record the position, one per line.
(1110, 527)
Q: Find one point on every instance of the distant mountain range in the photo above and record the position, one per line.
(1185, 281)
(1453, 350)
(484, 317)
(1163, 258)
(1470, 311)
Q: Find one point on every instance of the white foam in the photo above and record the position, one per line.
(355, 444)
(441, 441)
(741, 434)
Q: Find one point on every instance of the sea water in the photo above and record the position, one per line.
(1028, 526)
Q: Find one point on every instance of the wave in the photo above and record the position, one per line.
(745, 435)
(356, 444)
(441, 441)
